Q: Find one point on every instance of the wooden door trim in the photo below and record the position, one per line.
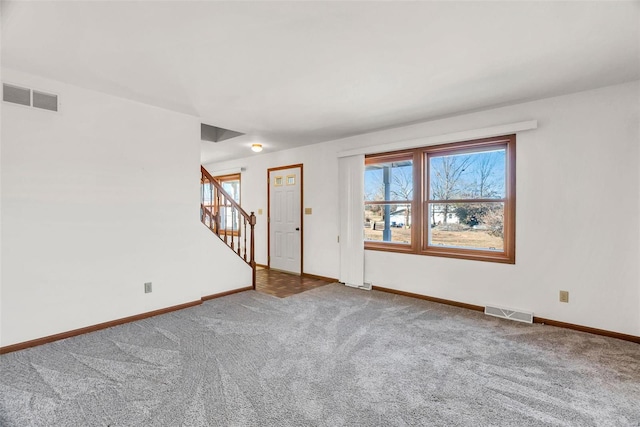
(269, 170)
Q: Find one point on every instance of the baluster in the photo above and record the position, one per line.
(232, 233)
(216, 209)
(236, 224)
(253, 251)
(212, 225)
(244, 230)
(226, 217)
(207, 216)
(205, 212)
(202, 197)
(237, 227)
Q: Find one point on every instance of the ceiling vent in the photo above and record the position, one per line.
(29, 98)
(46, 101)
(216, 134)
(16, 94)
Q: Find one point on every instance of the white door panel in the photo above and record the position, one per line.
(285, 221)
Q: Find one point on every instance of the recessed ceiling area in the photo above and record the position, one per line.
(216, 134)
(287, 74)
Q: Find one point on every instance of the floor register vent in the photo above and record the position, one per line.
(366, 286)
(507, 313)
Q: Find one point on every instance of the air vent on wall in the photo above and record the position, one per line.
(16, 94)
(27, 97)
(45, 101)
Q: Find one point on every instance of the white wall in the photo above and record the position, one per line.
(582, 160)
(96, 200)
(1, 108)
(320, 174)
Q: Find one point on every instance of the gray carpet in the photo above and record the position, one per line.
(327, 357)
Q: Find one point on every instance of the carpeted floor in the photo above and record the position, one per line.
(327, 357)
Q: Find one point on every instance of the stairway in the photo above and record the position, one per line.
(221, 214)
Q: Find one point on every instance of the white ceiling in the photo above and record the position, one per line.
(295, 73)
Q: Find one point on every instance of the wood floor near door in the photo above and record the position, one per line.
(284, 285)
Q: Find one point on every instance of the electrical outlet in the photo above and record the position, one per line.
(147, 288)
(564, 296)
(307, 211)
(259, 211)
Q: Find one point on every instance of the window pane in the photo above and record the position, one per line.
(232, 188)
(467, 225)
(229, 218)
(468, 176)
(206, 193)
(387, 223)
(389, 181)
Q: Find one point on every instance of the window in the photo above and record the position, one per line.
(229, 216)
(389, 199)
(463, 206)
(230, 184)
(216, 204)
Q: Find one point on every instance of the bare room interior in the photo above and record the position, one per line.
(320, 213)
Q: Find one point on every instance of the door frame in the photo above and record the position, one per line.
(269, 170)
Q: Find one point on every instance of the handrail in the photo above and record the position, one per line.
(221, 203)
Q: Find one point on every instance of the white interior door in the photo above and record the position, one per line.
(285, 229)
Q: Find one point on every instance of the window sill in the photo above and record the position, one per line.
(467, 254)
(389, 247)
(470, 254)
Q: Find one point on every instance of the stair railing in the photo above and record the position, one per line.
(221, 214)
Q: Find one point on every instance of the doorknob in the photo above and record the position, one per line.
(297, 228)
